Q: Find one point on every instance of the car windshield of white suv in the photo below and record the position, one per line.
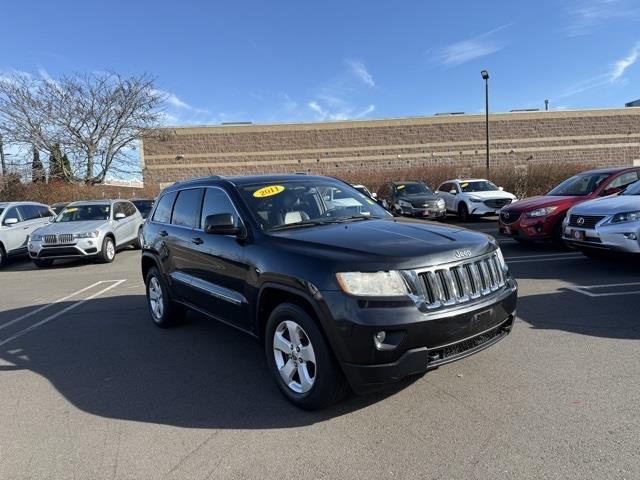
(413, 189)
(633, 189)
(478, 186)
(293, 204)
(83, 213)
(579, 185)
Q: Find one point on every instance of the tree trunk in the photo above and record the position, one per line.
(37, 169)
(3, 164)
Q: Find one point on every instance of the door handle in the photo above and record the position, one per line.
(197, 241)
(163, 233)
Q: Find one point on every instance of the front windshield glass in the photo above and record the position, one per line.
(299, 203)
(633, 189)
(580, 185)
(83, 213)
(478, 186)
(413, 189)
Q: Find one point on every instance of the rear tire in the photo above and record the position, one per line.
(163, 310)
(108, 251)
(301, 361)
(43, 263)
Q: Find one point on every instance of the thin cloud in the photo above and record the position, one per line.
(472, 48)
(359, 69)
(586, 15)
(613, 76)
(345, 112)
(173, 100)
(45, 75)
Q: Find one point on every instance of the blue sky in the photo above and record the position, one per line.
(283, 61)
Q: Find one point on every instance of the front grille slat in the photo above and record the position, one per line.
(584, 221)
(497, 202)
(509, 217)
(461, 282)
(50, 239)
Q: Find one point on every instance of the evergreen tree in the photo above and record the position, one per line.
(56, 167)
(37, 169)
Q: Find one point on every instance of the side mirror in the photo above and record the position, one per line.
(221, 224)
(501, 188)
(119, 216)
(453, 191)
(374, 195)
(10, 221)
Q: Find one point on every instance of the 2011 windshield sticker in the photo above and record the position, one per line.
(268, 191)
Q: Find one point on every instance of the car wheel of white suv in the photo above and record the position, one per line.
(108, 252)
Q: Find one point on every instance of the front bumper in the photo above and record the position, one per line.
(424, 212)
(526, 228)
(86, 247)
(424, 340)
(482, 209)
(624, 237)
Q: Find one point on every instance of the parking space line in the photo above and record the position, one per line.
(48, 305)
(63, 311)
(584, 289)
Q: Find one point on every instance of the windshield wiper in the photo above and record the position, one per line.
(327, 221)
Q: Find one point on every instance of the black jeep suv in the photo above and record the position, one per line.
(340, 293)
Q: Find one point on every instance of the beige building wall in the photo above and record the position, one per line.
(603, 137)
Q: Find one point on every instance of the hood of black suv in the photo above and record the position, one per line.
(398, 243)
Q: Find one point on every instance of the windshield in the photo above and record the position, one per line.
(413, 189)
(633, 189)
(83, 213)
(580, 185)
(478, 186)
(363, 189)
(143, 206)
(292, 204)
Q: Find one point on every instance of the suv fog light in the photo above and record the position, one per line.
(630, 236)
(386, 341)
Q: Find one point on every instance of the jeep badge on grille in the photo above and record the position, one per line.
(463, 253)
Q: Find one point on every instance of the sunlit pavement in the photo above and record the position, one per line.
(89, 388)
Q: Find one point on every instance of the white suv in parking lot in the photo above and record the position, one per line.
(88, 229)
(17, 221)
(473, 197)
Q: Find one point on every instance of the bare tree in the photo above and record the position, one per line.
(95, 119)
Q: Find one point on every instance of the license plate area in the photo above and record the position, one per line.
(578, 234)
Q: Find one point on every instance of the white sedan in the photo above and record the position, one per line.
(473, 197)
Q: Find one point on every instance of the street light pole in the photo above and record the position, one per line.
(485, 76)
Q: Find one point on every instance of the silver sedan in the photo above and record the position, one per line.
(606, 224)
(88, 229)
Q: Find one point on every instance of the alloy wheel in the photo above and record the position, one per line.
(110, 249)
(156, 301)
(295, 357)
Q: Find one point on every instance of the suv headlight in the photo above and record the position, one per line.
(404, 203)
(376, 284)
(86, 235)
(35, 238)
(440, 203)
(625, 217)
(475, 200)
(541, 212)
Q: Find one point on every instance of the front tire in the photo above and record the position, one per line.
(300, 360)
(163, 310)
(463, 212)
(3, 257)
(140, 241)
(108, 251)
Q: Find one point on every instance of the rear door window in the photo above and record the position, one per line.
(187, 209)
(28, 212)
(162, 213)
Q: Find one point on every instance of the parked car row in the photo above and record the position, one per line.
(94, 229)
(467, 198)
(596, 211)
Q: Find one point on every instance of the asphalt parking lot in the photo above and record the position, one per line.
(89, 388)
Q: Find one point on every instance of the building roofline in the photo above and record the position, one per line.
(432, 119)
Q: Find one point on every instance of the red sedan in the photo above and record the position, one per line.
(540, 218)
